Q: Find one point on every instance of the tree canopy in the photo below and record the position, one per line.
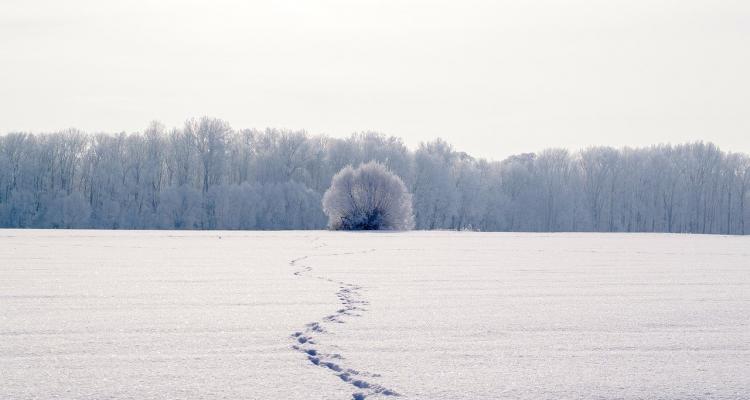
(207, 175)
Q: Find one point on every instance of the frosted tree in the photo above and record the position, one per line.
(553, 172)
(206, 175)
(598, 169)
(518, 188)
(435, 195)
(369, 197)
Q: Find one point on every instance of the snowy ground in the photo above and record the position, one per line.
(421, 315)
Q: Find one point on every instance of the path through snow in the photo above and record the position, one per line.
(314, 341)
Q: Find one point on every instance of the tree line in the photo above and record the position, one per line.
(206, 175)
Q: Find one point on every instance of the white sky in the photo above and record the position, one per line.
(492, 77)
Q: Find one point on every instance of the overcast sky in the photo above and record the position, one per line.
(492, 77)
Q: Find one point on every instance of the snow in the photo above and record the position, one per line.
(422, 315)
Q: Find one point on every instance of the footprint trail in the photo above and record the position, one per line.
(311, 341)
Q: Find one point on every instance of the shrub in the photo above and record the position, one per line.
(369, 197)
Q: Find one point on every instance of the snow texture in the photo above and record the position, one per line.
(336, 315)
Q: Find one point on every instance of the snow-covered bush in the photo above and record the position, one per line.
(368, 198)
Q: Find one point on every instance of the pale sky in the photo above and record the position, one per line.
(492, 77)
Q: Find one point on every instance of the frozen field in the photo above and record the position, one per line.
(420, 315)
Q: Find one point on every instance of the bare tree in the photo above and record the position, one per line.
(204, 175)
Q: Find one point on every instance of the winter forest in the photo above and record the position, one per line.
(207, 175)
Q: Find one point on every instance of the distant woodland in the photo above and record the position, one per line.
(207, 175)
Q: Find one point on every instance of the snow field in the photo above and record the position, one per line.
(326, 315)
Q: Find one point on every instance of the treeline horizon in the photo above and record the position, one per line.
(206, 175)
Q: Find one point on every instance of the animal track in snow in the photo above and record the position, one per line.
(352, 302)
